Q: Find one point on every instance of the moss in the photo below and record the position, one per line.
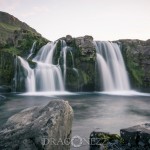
(136, 72)
(132, 59)
(11, 50)
(105, 141)
(104, 137)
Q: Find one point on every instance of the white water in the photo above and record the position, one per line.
(67, 50)
(32, 50)
(111, 67)
(45, 76)
(48, 77)
(30, 79)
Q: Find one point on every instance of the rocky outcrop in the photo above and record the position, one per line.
(137, 136)
(133, 138)
(80, 72)
(137, 59)
(16, 39)
(39, 128)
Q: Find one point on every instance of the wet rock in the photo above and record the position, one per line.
(2, 97)
(137, 135)
(102, 140)
(5, 89)
(39, 128)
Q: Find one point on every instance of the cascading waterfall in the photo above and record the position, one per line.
(30, 79)
(49, 77)
(32, 50)
(45, 76)
(65, 50)
(111, 66)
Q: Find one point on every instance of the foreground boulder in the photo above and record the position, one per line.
(133, 138)
(137, 136)
(39, 128)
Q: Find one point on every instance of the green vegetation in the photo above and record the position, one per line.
(16, 39)
(8, 27)
(11, 50)
(133, 62)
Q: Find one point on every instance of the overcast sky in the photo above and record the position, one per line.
(103, 19)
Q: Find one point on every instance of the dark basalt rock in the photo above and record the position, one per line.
(68, 39)
(86, 47)
(137, 136)
(2, 98)
(132, 138)
(5, 89)
(38, 128)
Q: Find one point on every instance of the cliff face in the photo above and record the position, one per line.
(137, 59)
(16, 38)
(80, 72)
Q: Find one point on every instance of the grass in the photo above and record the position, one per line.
(11, 50)
(8, 27)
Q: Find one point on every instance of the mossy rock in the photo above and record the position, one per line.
(105, 141)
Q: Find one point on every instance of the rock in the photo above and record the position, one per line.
(85, 62)
(86, 47)
(69, 39)
(39, 128)
(102, 140)
(136, 54)
(5, 89)
(2, 97)
(137, 135)
(88, 38)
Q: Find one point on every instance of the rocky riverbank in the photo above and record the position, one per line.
(132, 138)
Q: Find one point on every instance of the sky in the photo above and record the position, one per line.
(103, 19)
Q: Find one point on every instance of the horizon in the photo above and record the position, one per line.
(104, 20)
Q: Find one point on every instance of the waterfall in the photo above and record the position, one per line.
(67, 50)
(30, 77)
(45, 76)
(32, 50)
(54, 63)
(111, 67)
(48, 76)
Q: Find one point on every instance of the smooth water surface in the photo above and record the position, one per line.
(107, 112)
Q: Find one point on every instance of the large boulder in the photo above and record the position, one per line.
(137, 136)
(39, 128)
